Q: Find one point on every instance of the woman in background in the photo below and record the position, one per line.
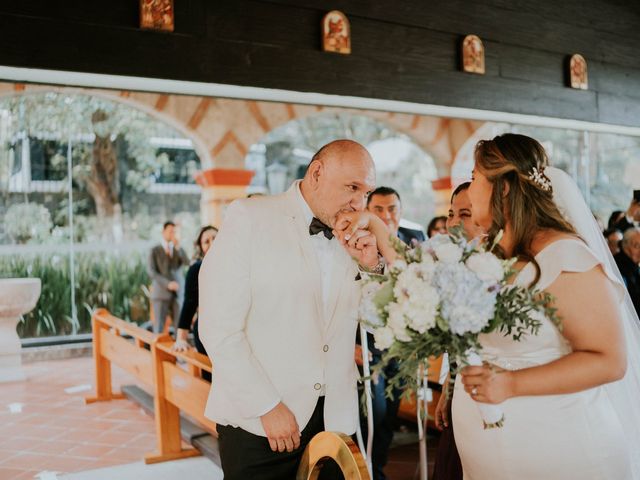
(190, 305)
(437, 225)
(447, 465)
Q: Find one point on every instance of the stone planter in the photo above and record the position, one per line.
(17, 297)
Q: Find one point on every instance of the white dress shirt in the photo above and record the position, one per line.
(168, 247)
(324, 249)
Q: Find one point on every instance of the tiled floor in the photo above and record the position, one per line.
(197, 468)
(45, 428)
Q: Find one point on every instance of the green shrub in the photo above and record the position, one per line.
(110, 280)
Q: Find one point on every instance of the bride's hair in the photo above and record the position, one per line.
(518, 161)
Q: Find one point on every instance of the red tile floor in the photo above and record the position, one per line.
(48, 429)
(45, 428)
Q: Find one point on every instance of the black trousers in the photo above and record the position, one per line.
(246, 456)
(385, 417)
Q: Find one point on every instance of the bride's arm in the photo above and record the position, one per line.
(591, 322)
(349, 224)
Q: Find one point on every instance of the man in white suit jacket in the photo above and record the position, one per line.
(278, 313)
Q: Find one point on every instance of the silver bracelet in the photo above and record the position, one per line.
(377, 270)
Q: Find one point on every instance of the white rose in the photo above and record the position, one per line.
(440, 239)
(486, 266)
(397, 323)
(421, 319)
(399, 264)
(383, 337)
(448, 252)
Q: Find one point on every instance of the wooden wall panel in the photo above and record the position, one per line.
(402, 50)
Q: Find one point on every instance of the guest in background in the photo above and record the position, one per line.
(460, 212)
(385, 203)
(163, 266)
(615, 217)
(628, 261)
(447, 465)
(614, 237)
(631, 217)
(437, 225)
(190, 306)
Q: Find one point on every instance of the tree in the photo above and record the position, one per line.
(96, 127)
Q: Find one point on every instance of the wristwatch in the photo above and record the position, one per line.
(377, 270)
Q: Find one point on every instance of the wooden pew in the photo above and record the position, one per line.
(150, 359)
(337, 446)
(177, 389)
(110, 347)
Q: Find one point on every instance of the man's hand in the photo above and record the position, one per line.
(281, 428)
(173, 286)
(363, 247)
(351, 231)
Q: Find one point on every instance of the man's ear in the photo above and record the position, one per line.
(315, 172)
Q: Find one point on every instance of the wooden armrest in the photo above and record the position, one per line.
(190, 356)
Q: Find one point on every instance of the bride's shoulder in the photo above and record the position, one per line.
(562, 252)
(551, 240)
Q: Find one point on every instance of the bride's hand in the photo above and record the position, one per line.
(488, 383)
(352, 227)
(348, 224)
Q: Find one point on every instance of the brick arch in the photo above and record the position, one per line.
(119, 97)
(223, 130)
(440, 137)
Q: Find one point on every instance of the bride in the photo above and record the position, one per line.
(569, 394)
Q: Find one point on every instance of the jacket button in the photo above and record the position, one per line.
(325, 348)
(317, 386)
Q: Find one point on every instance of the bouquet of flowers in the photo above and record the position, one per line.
(439, 297)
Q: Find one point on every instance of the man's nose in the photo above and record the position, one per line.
(358, 202)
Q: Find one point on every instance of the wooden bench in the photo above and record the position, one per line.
(175, 390)
(337, 446)
(109, 347)
(150, 359)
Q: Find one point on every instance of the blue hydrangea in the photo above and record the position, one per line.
(467, 304)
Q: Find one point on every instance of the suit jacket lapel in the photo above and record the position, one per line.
(296, 216)
(342, 268)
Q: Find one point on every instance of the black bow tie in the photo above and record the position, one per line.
(317, 226)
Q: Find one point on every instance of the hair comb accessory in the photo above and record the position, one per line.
(540, 179)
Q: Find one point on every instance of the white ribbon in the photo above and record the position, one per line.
(492, 415)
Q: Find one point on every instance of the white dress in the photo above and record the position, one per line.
(573, 436)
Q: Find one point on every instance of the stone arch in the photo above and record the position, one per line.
(463, 162)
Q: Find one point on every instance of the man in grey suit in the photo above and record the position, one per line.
(165, 263)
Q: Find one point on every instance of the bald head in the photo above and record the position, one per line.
(339, 178)
(339, 151)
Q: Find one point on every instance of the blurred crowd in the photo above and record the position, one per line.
(623, 237)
